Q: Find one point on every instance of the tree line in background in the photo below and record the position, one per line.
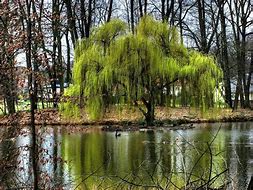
(41, 36)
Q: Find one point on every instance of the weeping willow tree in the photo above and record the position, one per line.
(114, 66)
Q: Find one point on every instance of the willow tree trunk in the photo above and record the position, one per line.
(150, 114)
(183, 94)
(162, 95)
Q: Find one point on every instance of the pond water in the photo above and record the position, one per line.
(209, 154)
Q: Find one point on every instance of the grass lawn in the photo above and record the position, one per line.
(24, 105)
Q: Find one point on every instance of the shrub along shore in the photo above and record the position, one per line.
(132, 118)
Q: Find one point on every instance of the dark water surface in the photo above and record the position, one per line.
(163, 158)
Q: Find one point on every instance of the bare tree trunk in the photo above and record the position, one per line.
(110, 10)
(8, 81)
(245, 11)
(248, 84)
(224, 55)
(7, 62)
(83, 17)
(68, 72)
(54, 67)
(145, 6)
(58, 72)
(239, 13)
(59, 49)
(239, 86)
(163, 10)
(172, 12)
(180, 19)
(250, 186)
(34, 51)
(132, 15)
(5, 111)
(10, 101)
(71, 22)
(88, 19)
(60, 65)
(31, 94)
(167, 11)
(202, 26)
(141, 8)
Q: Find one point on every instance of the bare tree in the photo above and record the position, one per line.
(240, 22)
(11, 42)
(223, 52)
(31, 79)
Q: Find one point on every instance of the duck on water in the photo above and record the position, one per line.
(117, 133)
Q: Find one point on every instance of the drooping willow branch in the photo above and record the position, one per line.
(140, 66)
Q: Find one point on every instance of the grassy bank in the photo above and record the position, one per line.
(128, 117)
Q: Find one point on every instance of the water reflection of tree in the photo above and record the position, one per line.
(16, 158)
(145, 160)
(49, 157)
(8, 157)
(158, 160)
(240, 155)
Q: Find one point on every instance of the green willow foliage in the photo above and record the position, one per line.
(114, 66)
